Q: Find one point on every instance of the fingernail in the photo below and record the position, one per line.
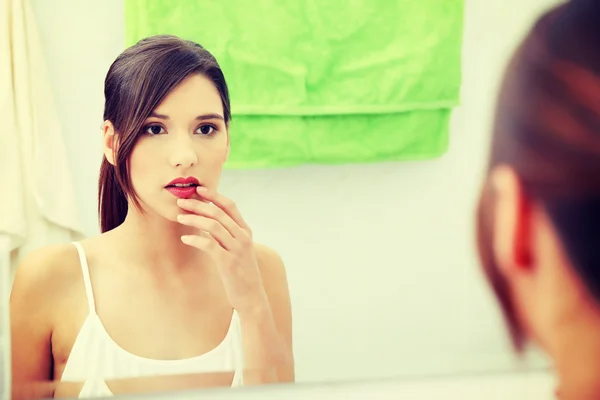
(180, 217)
(185, 239)
(181, 202)
(202, 189)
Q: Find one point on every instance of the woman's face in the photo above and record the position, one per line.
(185, 138)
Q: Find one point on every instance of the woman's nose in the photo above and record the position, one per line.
(183, 154)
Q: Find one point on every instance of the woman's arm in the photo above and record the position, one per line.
(267, 330)
(31, 326)
(254, 279)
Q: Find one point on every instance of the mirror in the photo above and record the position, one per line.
(499, 386)
(382, 279)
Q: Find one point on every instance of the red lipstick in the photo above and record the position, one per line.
(183, 187)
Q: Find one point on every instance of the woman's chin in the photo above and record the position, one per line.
(172, 213)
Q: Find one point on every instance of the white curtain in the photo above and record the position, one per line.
(37, 202)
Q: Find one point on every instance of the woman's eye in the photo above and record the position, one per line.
(154, 129)
(206, 129)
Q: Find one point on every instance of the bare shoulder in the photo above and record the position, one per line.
(275, 282)
(270, 263)
(44, 273)
(40, 284)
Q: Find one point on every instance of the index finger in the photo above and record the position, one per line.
(225, 204)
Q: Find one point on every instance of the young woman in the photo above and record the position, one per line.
(539, 214)
(175, 284)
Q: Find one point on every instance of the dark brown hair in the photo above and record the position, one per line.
(137, 81)
(547, 128)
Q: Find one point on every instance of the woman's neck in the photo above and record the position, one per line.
(156, 242)
(576, 353)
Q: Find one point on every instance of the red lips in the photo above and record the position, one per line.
(183, 192)
(183, 181)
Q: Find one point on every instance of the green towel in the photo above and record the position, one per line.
(328, 82)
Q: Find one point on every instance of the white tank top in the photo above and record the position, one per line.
(96, 357)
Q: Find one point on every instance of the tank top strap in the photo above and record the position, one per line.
(85, 270)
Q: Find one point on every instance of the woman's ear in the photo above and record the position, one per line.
(512, 222)
(109, 141)
(228, 145)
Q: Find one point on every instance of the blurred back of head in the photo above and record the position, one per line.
(539, 211)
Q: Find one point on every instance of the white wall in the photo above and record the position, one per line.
(381, 262)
